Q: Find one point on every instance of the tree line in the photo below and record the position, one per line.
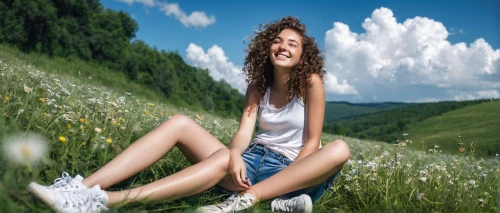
(389, 125)
(86, 30)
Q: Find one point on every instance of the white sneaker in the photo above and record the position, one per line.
(67, 183)
(299, 204)
(76, 201)
(234, 203)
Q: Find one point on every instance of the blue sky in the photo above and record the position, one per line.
(375, 51)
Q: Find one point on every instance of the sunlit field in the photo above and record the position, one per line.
(52, 123)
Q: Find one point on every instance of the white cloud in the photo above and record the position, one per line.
(149, 3)
(484, 94)
(414, 52)
(217, 64)
(332, 86)
(195, 19)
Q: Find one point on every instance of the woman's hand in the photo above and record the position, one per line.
(237, 170)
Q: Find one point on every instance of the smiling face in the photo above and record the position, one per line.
(286, 49)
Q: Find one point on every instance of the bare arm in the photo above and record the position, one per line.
(243, 136)
(315, 112)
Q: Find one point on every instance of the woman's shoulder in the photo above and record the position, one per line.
(314, 79)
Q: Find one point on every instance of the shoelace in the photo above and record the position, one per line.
(229, 201)
(77, 199)
(242, 202)
(61, 182)
(284, 205)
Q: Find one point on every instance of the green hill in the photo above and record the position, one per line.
(340, 110)
(389, 125)
(477, 123)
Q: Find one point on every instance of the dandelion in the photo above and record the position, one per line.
(97, 130)
(147, 112)
(25, 148)
(62, 139)
(109, 140)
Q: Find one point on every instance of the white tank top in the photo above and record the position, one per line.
(283, 129)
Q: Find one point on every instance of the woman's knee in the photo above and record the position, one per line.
(339, 150)
(221, 158)
(178, 120)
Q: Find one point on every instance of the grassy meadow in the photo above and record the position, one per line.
(478, 123)
(86, 118)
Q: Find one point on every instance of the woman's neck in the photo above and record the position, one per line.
(281, 78)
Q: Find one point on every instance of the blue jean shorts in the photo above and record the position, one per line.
(262, 163)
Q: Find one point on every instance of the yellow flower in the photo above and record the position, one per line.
(148, 112)
(6, 99)
(42, 100)
(109, 140)
(82, 128)
(60, 107)
(68, 125)
(45, 115)
(84, 120)
(199, 117)
(151, 104)
(62, 139)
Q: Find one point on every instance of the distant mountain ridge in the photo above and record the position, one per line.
(337, 110)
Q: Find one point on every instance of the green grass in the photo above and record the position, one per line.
(379, 177)
(478, 123)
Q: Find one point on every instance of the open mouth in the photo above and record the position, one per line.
(281, 56)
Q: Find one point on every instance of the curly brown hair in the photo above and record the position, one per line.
(259, 69)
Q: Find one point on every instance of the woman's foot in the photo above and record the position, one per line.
(85, 200)
(235, 202)
(67, 183)
(299, 204)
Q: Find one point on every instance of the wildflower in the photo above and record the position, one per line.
(420, 196)
(62, 139)
(147, 112)
(25, 148)
(68, 125)
(42, 100)
(97, 130)
(27, 89)
(109, 140)
(423, 179)
(6, 99)
(199, 117)
(151, 104)
(84, 120)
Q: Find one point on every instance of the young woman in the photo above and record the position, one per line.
(285, 159)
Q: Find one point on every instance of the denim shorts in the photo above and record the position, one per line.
(262, 163)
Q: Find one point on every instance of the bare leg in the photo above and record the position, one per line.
(196, 143)
(309, 171)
